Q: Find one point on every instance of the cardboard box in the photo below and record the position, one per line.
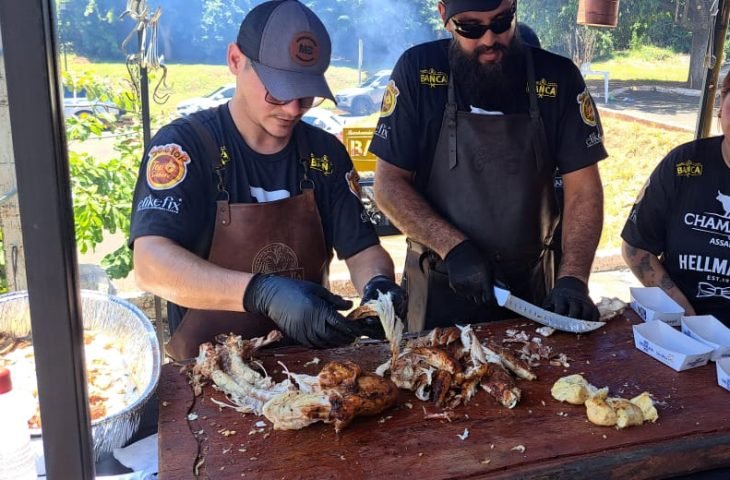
(710, 331)
(652, 303)
(723, 373)
(670, 346)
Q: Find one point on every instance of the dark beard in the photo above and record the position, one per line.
(488, 85)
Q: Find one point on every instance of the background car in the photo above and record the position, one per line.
(76, 104)
(213, 99)
(366, 98)
(326, 120)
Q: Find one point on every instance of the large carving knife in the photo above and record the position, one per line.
(540, 315)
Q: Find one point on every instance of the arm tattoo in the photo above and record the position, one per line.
(644, 267)
(666, 283)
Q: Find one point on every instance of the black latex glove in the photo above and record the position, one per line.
(305, 311)
(570, 297)
(469, 275)
(380, 283)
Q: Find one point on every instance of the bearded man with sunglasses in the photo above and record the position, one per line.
(237, 209)
(471, 132)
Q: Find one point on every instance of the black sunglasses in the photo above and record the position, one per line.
(499, 25)
(306, 102)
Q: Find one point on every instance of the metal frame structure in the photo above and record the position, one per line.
(30, 54)
(44, 194)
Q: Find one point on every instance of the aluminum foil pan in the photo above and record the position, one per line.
(136, 335)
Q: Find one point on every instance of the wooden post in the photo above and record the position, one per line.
(9, 213)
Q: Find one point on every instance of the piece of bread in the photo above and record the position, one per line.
(575, 389)
(600, 413)
(627, 414)
(646, 403)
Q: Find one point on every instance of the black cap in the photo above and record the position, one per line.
(458, 6)
(289, 49)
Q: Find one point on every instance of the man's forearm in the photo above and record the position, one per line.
(169, 271)
(651, 273)
(396, 196)
(582, 222)
(367, 264)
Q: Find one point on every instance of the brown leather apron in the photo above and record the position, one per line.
(497, 188)
(283, 237)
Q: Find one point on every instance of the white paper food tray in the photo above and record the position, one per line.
(723, 373)
(670, 346)
(710, 331)
(652, 303)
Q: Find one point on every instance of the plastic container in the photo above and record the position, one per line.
(17, 460)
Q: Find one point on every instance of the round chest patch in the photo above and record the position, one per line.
(585, 104)
(304, 49)
(390, 98)
(167, 166)
(275, 257)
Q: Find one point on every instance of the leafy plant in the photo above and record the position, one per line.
(102, 188)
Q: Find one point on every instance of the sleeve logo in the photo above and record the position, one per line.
(390, 98)
(167, 166)
(353, 182)
(585, 105)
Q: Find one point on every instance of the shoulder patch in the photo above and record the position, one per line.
(585, 105)
(390, 98)
(167, 166)
(353, 182)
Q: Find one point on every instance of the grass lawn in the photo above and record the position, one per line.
(634, 149)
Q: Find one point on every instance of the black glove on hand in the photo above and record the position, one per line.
(380, 283)
(570, 297)
(469, 275)
(305, 311)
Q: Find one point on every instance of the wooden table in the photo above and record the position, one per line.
(692, 433)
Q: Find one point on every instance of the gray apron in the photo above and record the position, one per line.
(497, 188)
(284, 237)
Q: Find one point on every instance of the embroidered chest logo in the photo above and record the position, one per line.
(689, 169)
(433, 78)
(390, 98)
(321, 164)
(166, 166)
(543, 89)
(585, 105)
(304, 49)
(275, 258)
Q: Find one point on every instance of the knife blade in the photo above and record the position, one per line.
(540, 315)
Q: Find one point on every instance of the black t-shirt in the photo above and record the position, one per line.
(416, 96)
(177, 187)
(683, 216)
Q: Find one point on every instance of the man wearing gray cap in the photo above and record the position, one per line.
(471, 131)
(237, 209)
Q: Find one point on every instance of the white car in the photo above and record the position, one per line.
(216, 97)
(76, 104)
(326, 120)
(366, 98)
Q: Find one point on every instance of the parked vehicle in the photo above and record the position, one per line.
(326, 120)
(76, 104)
(364, 99)
(213, 99)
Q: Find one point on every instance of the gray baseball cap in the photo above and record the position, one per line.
(458, 6)
(289, 49)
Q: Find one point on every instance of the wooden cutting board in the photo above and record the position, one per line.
(692, 433)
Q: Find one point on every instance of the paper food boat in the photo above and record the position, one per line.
(670, 346)
(723, 373)
(710, 331)
(652, 303)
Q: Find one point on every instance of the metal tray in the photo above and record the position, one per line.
(122, 320)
